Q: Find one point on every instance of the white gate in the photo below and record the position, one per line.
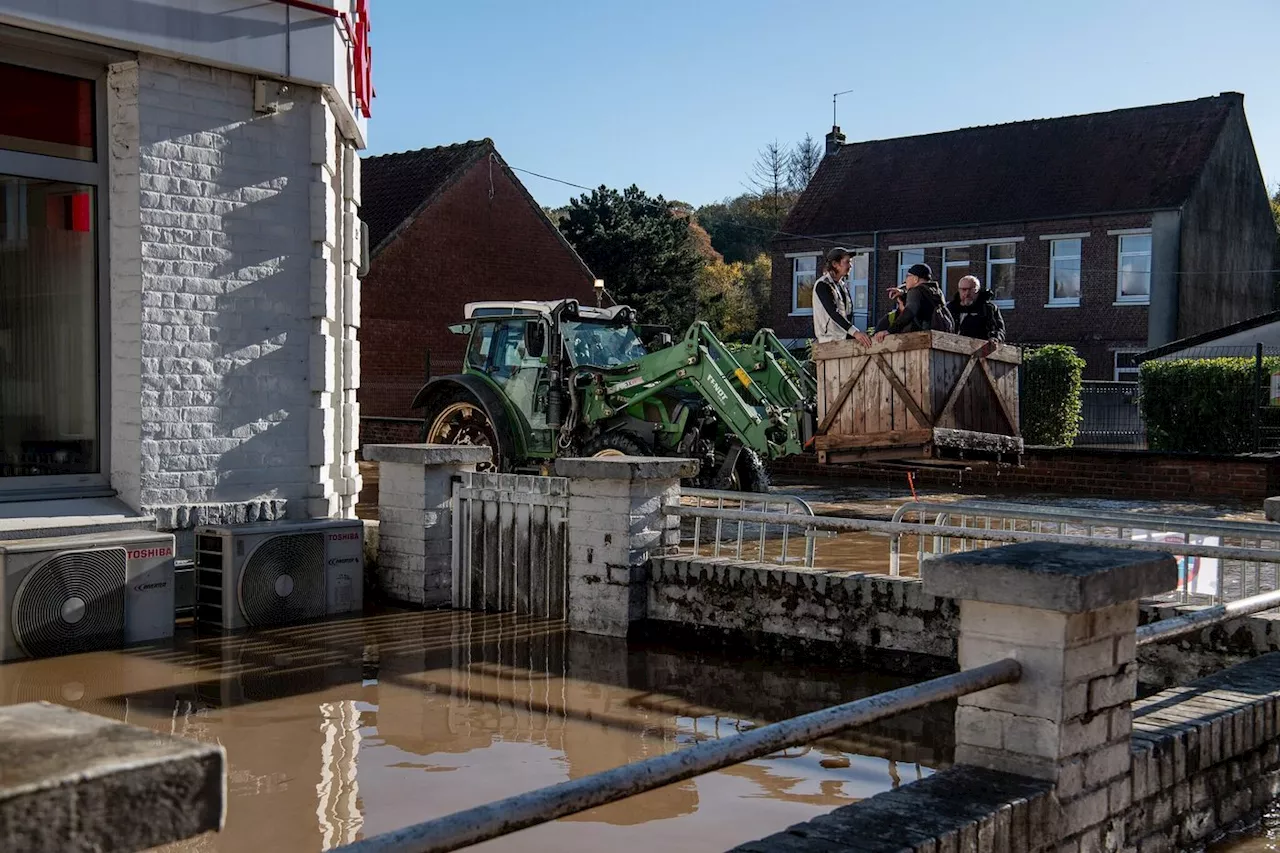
(510, 548)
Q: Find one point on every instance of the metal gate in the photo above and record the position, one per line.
(510, 548)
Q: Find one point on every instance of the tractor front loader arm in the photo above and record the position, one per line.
(768, 429)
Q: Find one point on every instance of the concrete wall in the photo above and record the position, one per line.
(258, 38)
(1228, 236)
(481, 239)
(233, 295)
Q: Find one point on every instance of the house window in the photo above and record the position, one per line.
(804, 271)
(1000, 272)
(955, 266)
(51, 182)
(906, 258)
(859, 276)
(1133, 276)
(1126, 369)
(1064, 272)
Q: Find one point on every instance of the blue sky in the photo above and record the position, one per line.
(678, 97)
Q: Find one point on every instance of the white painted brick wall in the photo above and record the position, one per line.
(219, 297)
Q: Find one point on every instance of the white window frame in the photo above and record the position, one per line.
(57, 55)
(1003, 304)
(949, 265)
(1121, 299)
(797, 311)
(1115, 365)
(863, 284)
(904, 264)
(1072, 301)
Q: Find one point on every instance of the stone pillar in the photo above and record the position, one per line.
(77, 781)
(415, 518)
(1069, 615)
(618, 518)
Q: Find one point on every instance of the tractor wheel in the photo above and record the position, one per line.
(750, 474)
(617, 443)
(458, 418)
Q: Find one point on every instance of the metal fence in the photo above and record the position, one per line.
(1112, 416)
(510, 546)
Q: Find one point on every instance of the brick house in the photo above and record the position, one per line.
(1112, 232)
(447, 226)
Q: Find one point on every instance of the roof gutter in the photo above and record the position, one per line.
(989, 224)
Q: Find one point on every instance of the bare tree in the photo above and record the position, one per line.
(769, 176)
(803, 162)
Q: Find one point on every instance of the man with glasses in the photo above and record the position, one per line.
(975, 313)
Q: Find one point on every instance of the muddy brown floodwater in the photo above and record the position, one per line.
(342, 730)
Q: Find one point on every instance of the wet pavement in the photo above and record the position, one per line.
(341, 730)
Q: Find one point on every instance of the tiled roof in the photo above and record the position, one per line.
(393, 187)
(1126, 160)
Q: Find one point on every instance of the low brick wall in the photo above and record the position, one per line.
(375, 430)
(1097, 473)
(960, 809)
(887, 621)
(1205, 755)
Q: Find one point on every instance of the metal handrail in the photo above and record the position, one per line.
(1061, 517)
(1188, 623)
(745, 499)
(1087, 518)
(890, 528)
(482, 823)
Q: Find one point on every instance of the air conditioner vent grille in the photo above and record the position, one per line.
(71, 603)
(284, 579)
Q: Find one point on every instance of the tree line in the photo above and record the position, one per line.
(674, 262)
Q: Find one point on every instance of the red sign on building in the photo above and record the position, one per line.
(363, 58)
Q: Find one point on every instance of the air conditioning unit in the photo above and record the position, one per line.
(83, 593)
(278, 572)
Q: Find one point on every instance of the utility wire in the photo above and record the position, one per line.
(828, 241)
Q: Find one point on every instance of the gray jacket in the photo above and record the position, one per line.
(832, 310)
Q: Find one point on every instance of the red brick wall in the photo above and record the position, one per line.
(1096, 328)
(377, 430)
(465, 247)
(1096, 473)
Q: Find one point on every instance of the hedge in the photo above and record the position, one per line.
(1050, 400)
(1202, 405)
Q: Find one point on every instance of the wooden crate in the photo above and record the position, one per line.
(923, 396)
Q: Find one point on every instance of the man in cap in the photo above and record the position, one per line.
(832, 307)
(925, 308)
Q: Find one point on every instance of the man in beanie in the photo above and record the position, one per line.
(926, 309)
(832, 307)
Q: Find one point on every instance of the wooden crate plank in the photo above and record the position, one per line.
(884, 439)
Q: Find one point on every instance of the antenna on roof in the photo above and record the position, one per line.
(835, 123)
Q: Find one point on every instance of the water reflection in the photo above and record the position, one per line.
(341, 730)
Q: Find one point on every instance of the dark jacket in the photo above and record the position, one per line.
(923, 302)
(980, 320)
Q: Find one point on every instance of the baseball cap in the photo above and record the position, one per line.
(921, 271)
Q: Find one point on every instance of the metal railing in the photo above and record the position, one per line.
(1189, 623)
(483, 823)
(944, 531)
(786, 505)
(1100, 524)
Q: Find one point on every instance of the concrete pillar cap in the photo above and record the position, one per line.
(427, 454)
(627, 467)
(1050, 576)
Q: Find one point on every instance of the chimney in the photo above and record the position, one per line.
(834, 140)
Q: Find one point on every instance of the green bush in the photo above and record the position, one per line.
(1051, 395)
(1202, 405)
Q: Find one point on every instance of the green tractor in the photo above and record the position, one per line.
(548, 379)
